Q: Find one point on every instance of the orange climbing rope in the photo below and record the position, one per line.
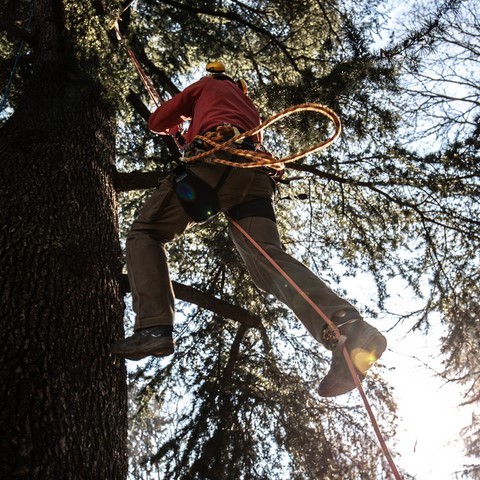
(334, 328)
(259, 158)
(146, 80)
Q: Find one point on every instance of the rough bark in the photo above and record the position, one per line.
(62, 395)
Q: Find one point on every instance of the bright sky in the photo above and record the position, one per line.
(431, 419)
(429, 439)
(430, 416)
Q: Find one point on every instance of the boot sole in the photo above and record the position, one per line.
(159, 350)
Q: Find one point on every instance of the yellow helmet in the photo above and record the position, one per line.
(217, 70)
(215, 67)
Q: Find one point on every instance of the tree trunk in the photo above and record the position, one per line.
(62, 395)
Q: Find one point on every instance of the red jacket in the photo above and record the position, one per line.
(208, 103)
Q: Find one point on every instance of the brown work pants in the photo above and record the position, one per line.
(163, 219)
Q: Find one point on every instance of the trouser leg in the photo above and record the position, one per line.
(152, 293)
(266, 277)
(161, 220)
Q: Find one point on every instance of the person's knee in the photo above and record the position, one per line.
(140, 233)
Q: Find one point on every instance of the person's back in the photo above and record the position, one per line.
(210, 102)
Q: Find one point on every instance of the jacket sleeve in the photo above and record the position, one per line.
(166, 118)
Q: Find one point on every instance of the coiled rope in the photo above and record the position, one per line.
(259, 158)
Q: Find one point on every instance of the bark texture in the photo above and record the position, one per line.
(62, 395)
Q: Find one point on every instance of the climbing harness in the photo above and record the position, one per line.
(258, 207)
(198, 198)
(339, 338)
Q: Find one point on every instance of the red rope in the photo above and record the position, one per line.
(334, 328)
(146, 80)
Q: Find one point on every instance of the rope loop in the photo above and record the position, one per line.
(262, 159)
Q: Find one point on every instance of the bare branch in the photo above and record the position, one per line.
(208, 302)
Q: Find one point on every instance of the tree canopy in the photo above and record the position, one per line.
(396, 197)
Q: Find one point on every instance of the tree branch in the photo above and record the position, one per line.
(144, 112)
(233, 356)
(235, 17)
(208, 302)
(425, 216)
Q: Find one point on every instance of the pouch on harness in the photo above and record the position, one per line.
(197, 197)
(200, 200)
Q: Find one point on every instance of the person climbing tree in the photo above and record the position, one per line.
(219, 108)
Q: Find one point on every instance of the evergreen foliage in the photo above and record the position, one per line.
(396, 197)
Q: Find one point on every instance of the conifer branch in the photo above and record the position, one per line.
(220, 307)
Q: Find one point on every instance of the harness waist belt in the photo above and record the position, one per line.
(258, 207)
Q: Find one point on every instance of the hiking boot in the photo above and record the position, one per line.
(364, 343)
(156, 341)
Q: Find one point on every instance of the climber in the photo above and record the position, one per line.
(219, 106)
